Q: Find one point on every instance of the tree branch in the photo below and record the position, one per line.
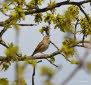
(3, 31)
(33, 75)
(27, 24)
(52, 63)
(54, 45)
(55, 6)
(50, 8)
(79, 66)
(83, 12)
(44, 56)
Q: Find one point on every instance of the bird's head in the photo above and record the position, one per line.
(47, 38)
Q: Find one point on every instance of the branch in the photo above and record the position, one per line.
(57, 48)
(44, 56)
(54, 45)
(3, 31)
(83, 12)
(80, 65)
(76, 23)
(33, 75)
(27, 24)
(52, 63)
(79, 42)
(55, 6)
(5, 45)
(76, 28)
(1, 24)
(50, 8)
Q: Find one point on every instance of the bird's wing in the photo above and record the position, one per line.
(37, 48)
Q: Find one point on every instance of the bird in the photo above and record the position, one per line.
(43, 45)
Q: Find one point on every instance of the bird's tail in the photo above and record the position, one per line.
(33, 54)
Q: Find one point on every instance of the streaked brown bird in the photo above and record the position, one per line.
(42, 46)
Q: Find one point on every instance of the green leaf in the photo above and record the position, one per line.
(11, 51)
(74, 61)
(4, 81)
(49, 18)
(52, 59)
(47, 71)
(33, 62)
(21, 81)
(38, 17)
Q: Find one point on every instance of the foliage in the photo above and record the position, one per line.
(47, 71)
(70, 23)
(38, 18)
(85, 26)
(11, 51)
(67, 49)
(4, 81)
(21, 81)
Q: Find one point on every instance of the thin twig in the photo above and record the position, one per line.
(80, 65)
(3, 31)
(83, 39)
(55, 6)
(76, 23)
(76, 28)
(33, 83)
(54, 45)
(52, 63)
(57, 48)
(27, 24)
(5, 45)
(83, 12)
